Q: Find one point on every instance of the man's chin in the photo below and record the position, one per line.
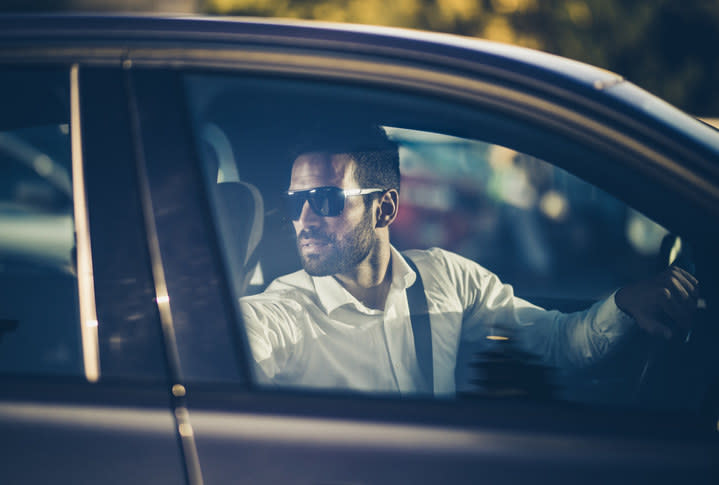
(316, 266)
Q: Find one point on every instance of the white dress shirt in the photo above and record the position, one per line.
(307, 331)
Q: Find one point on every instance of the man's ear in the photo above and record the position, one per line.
(387, 208)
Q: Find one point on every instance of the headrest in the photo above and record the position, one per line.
(240, 206)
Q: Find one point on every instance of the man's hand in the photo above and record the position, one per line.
(663, 303)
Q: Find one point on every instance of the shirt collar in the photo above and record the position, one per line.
(333, 295)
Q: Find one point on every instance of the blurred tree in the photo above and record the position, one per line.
(666, 46)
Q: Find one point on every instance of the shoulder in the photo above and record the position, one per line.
(287, 293)
(438, 256)
(450, 264)
(299, 281)
(424, 257)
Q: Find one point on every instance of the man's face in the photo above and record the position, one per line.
(331, 245)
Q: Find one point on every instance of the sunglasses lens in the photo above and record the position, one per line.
(327, 202)
(324, 201)
(294, 204)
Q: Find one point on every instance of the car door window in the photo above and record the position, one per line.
(39, 321)
(491, 189)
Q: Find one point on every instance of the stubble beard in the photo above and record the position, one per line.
(341, 256)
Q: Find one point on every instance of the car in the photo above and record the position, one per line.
(143, 164)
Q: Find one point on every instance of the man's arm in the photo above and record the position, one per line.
(656, 305)
(560, 339)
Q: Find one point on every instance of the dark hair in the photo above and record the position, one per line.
(376, 155)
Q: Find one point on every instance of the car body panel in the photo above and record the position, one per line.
(66, 431)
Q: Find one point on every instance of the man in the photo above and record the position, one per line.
(344, 320)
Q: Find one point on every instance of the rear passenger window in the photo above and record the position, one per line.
(39, 322)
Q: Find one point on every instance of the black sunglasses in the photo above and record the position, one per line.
(324, 201)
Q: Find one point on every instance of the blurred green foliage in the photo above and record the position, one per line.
(666, 46)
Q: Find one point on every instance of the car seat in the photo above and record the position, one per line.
(239, 210)
(240, 214)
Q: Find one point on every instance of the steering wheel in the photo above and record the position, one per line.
(674, 252)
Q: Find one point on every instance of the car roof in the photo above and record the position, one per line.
(432, 45)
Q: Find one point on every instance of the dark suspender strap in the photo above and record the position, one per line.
(421, 329)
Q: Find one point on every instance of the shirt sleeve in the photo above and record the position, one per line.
(559, 339)
(271, 331)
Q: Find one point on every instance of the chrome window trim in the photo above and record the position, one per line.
(85, 275)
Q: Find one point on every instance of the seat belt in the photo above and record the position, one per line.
(421, 328)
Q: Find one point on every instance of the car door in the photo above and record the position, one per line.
(85, 395)
(212, 124)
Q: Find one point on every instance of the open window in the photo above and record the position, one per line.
(508, 194)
